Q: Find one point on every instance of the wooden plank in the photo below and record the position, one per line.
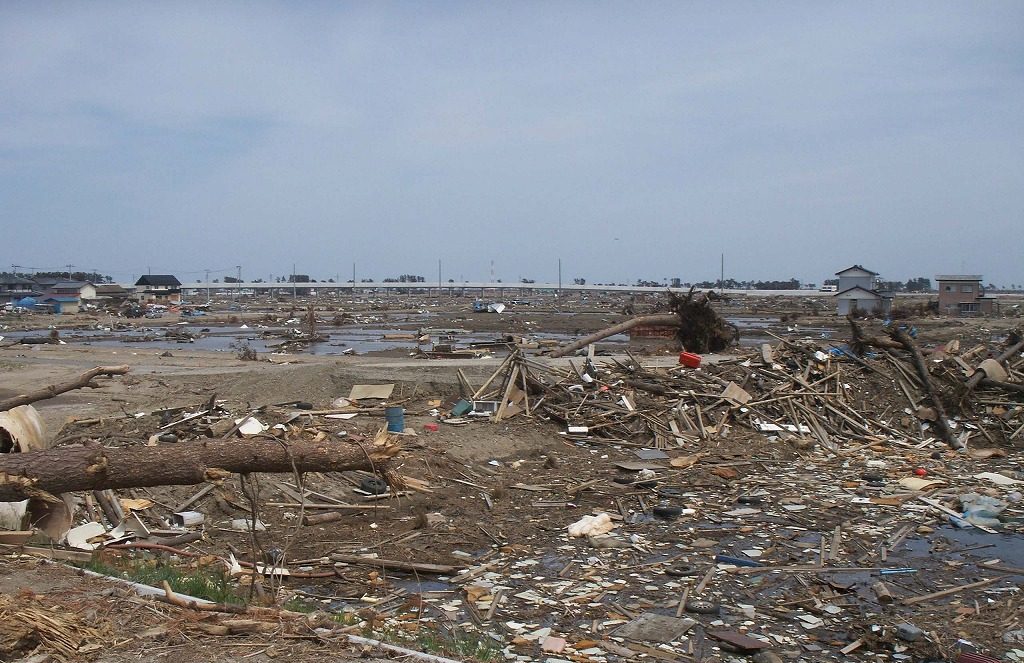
(412, 567)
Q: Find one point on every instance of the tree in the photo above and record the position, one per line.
(919, 284)
(91, 277)
(579, 281)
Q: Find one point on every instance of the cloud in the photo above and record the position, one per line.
(796, 138)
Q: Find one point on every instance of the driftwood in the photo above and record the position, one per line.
(861, 343)
(662, 320)
(69, 469)
(941, 420)
(83, 380)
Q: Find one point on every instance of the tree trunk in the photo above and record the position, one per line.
(70, 469)
(83, 380)
(941, 420)
(664, 320)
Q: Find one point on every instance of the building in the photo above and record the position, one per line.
(62, 305)
(80, 289)
(112, 293)
(158, 289)
(14, 288)
(963, 294)
(856, 292)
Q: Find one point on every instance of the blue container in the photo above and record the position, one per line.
(396, 419)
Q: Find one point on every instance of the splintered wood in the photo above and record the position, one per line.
(806, 392)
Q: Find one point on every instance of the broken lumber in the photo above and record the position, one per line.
(70, 469)
(83, 380)
(412, 567)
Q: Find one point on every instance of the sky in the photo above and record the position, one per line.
(631, 140)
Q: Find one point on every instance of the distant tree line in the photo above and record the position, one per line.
(91, 277)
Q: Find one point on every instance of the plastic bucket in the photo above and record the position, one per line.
(395, 417)
(689, 359)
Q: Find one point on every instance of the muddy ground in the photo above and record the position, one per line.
(501, 497)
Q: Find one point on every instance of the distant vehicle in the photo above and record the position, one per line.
(829, 288)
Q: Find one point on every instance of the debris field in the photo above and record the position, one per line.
(805, 500)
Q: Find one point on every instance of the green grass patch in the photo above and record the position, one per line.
(457, 645)
(209, 584)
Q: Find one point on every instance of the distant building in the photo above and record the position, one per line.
(158, 289)
(78, 289)
(112, 293)
(962, 294)
(63, 305)
(856, 291)
(14, 288)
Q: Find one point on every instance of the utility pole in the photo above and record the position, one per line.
(207, 286)
(721, 278)
(559, 276)
(238, 283)
(439, 279)
(69, 266)
(294, 287)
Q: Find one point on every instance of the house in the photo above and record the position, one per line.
(13, 288)
(856, 292)
(44, 283)
(79, 289)
(158, 289)
(62, 305)
(962, 294)
(112, 293)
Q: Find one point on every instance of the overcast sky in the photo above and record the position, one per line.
(631, 140)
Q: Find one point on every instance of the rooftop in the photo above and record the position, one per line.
(958, 277)
(856, 268)
(168, 280)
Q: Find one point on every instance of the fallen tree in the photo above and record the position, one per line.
(699, 327)
(83, 380)
(660, 320)
(41, 474)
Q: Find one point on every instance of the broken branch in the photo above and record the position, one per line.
(83, 380)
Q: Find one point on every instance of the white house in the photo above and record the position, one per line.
(856, 291)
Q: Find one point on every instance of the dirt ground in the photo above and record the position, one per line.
(498, 501)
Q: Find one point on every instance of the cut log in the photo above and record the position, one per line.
(70, 469)
(662, 320)
(83, 380)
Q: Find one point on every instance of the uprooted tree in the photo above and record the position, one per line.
(700, 328)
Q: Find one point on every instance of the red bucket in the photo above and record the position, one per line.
(689, 359)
